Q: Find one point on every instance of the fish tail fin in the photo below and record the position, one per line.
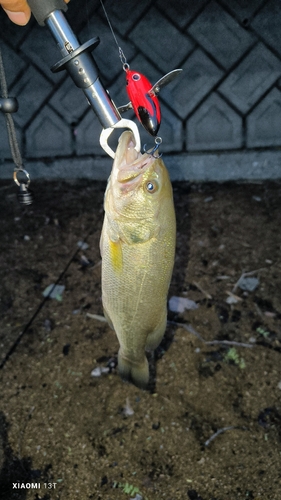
(137, 372)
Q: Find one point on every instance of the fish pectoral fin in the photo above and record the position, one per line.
(116, 254)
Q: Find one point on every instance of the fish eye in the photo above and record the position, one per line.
(136, 77)
(151, 187)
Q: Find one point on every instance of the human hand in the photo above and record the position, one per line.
(18, 10)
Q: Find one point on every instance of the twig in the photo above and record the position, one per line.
(258, 310)
(190, 329)
(167, 400)
(236, 297)
(220, 431)
(228, 342)
(97, 316)
(202, 290)
(97, 264)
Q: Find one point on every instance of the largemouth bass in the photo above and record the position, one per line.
(137, 248)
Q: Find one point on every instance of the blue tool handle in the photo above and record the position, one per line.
(41, 9)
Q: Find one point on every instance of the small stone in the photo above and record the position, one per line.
(54, 291)
(248, 284)
(48, 325)
(180, 304)
(128, 410)
(231, 299)
(82, 245)
(76, 311)
(97, 372)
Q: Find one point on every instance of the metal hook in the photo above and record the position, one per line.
(158, 141)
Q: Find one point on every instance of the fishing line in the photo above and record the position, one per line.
(142, 94)
(88, 18)
(41, 305)
(121, 53)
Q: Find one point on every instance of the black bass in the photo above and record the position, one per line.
(137, 248)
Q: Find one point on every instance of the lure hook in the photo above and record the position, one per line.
(158, 141)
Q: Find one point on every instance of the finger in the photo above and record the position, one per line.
(17, 10)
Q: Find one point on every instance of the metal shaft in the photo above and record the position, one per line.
(97, 96)
(62, 32)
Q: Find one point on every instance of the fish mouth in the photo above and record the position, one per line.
(130, 163)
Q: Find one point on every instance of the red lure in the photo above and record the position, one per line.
(144, 101)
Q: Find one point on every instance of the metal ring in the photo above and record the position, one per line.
(126, 66)
(16, 171)
(158, 140)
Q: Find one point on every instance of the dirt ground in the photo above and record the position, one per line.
(209, 427)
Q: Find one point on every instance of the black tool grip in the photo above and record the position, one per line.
(41, 9)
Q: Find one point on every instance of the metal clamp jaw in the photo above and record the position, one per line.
(123, 123)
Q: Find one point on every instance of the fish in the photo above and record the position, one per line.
(137, 247)
(143, 98)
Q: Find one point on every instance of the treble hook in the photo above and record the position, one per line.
(158, 141)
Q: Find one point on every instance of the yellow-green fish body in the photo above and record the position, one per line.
(137, 248)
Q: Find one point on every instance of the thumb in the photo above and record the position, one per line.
(20, 18)
(17, 10)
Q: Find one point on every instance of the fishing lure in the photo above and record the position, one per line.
(143, 101)
(143, 97)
